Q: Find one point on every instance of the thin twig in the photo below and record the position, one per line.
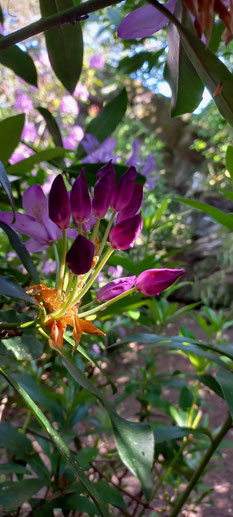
(72, 15)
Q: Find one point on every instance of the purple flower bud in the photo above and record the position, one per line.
(123, 235)
(134, 204)
(103, 190)
(80, 256)
(124, 190)
(154, 281)
(80, 200)
(59, 203)
(116, 287)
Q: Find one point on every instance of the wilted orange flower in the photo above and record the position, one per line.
(50, 300)
(203, 12)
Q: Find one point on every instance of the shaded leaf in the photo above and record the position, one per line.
(13, 468)
(21, 63)
(10, 134)
(21, 251)
(211, 71)
(186, 86)
(13, 497)
(60, 444)
(7, 187)
(64, 44)
(110, 494)
(225, 380)
(107, 120)
(20, 168)
(130, 64)
(52, 125)
(135, 441)
(229, 160)
(9, 287)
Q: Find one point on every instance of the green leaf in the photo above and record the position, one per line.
(25, 347)
(186, 86)
(219, 216)
(64, 44)
(59, 443)
(211, 71)
(135, 441)
(7, 187)
(80, 503)
(178, 343)
(131, 64)
(13, 497)
(21, 251)
(229, 160)
(10, 134)
(107, 120)
(227, 193)
(20, 168)
(211, 383)
(52, 125)
(13, 468)
(225, 380)
(21, 63)
(9, 287)
(110, 494)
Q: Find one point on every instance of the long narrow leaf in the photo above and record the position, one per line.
(21, 251)
(7, 187)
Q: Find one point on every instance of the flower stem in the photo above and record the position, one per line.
(202, 465)
(95, 274)
(106, 304)
(63, 263)
(106, 233)
(57, 262)
(95, 231)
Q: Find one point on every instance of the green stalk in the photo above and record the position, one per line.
(180, 501)
(106, 304)
(63, 263)
(68, 303)
(71, 278)
(93, 277)
(57, 263)
(95, 231)
(106, 233)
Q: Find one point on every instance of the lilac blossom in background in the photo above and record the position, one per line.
(35, 223)
(20, 154)
(145, 168)
(48, 182)
(43, 58)
(75, 136)
(96, 349)
(97, 61)
(69, 105)
(144, 21)
(23, 103)
(49, 267)
(99, 152)
(115, 272)
(81, 92)
(77, 133)
(2, 30)
(29, 133)
(101, 279)
(87, 227)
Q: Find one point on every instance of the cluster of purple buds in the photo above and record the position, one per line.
(124, 197)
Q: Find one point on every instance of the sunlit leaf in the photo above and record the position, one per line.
(64, 44)
(219, 216)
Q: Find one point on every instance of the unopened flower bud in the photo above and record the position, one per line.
(103, 190)
(134, 204)
(116, 287)
(80, 200)
(123, 190)
(80, 256)
(124, 234)
(59, 203)
(154, 281)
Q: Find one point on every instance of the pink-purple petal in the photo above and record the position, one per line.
(153, 281)
(144, 21)
(27, 225)
(115, 288)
